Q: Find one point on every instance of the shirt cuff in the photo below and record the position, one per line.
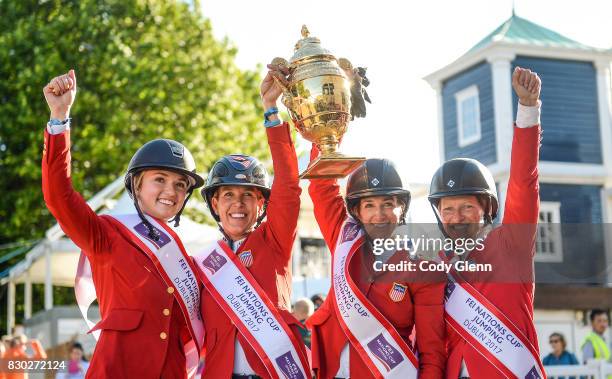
(528, 116)
(58, 129)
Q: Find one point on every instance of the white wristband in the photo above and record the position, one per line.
(528, 116)
(58, 129)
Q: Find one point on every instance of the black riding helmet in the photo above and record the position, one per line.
(376, 177)
(464, 176)
(237, 170)
(164, 154)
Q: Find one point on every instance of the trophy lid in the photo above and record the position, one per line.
(308, 47)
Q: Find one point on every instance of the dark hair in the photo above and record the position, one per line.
(77, 345)
(597, 312)
(561, 337)
(18, 339)
(317, 297)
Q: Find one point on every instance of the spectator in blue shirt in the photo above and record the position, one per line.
(559, 355)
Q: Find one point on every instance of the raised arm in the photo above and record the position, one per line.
(522, 199)
(75, 217)
(329, 208)
(39, 351)
(284, 205)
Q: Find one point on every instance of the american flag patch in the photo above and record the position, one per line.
(397, 292)
(246, 257)
(245, 162)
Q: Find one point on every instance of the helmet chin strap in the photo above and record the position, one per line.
(177, 218)
(262, 216)
(440, 224)
(368, 240)
(402, 218)
(488, 209)
(229, 240)
(153, 234)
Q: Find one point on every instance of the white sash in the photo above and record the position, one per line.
(85, 291)
(379, 344)
(252, 312)
(173, 265)
(490, 332)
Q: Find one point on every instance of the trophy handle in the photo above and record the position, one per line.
(287, 99)
(286, 91)
(345, 64)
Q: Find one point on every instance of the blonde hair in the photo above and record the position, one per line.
(137, 181)
(303, 307)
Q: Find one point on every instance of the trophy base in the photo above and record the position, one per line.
(331, 167)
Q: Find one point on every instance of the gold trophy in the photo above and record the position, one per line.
(318, 98)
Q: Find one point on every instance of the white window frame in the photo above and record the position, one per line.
(553, 208)
(460, 97)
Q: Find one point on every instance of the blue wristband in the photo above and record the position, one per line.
(269, 112)
(273, 123)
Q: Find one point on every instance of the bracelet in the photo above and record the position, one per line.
(55, 121)
(273, 123)
(270, 112)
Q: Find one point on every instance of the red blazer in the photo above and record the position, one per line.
(132, 296)
(421, 308)
(270, 244)
(510, 250)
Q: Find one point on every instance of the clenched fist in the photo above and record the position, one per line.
(60, 94)
(527, 86)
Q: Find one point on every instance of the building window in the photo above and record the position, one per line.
(549, 247)
(468, 115)
(328, 89)
(315, 258)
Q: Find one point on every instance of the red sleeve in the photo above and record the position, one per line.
(39, 351)
(76, 218)
(329, 209)
(522, 198)
(430, 327)
(284, 205)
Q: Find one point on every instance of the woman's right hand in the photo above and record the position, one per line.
(60, 93)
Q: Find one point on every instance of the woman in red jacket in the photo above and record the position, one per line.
(250, 331)
(489, 313)
(144, 280)
(362, 329)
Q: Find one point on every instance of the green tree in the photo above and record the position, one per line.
(146, 69)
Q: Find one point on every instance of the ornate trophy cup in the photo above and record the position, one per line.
(319, 101)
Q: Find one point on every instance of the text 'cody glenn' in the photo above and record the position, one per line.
(382, 244)
(460, 266)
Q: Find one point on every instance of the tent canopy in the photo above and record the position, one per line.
(65, 254)
(54, 259)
